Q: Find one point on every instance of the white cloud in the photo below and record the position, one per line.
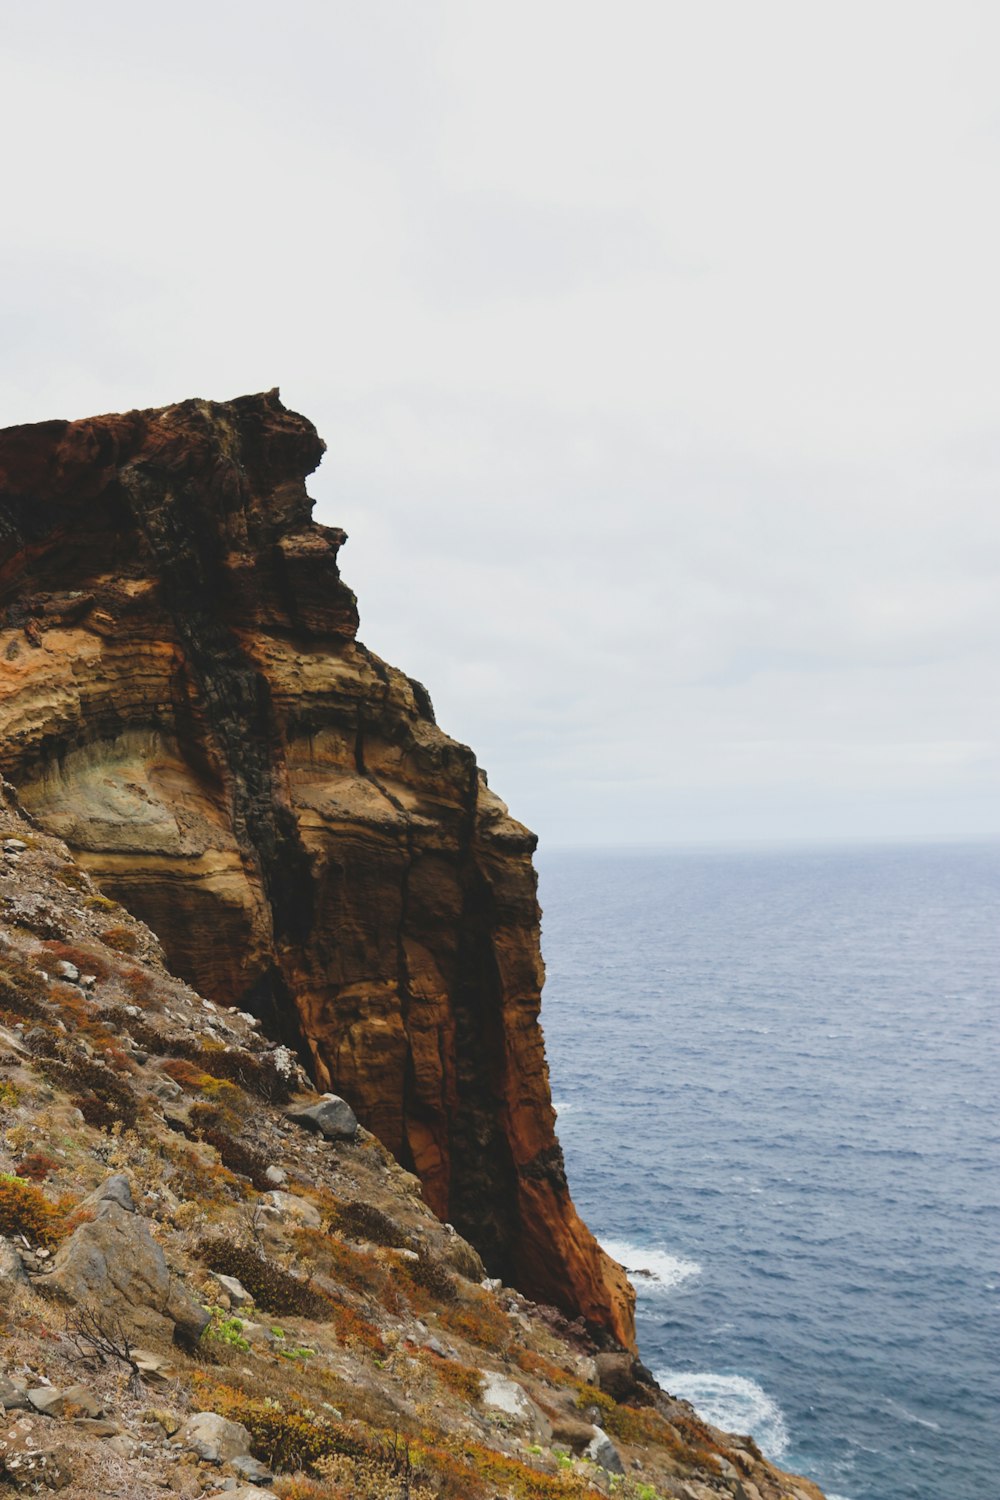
(654, 343)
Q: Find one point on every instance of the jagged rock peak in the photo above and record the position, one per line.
(183, 700)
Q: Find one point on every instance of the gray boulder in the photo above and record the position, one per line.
(251, 1469)
(47, 1400)
(215, 1439)
(602, 1451)
(12, 1272)
(331, 1116)
(114, 1265)
(115, 1189)
(289, 1206)
(13, 1395)
(507, 1396)
(52, 1402)
(234, 1289)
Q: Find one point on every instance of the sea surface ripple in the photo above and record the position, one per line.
(777, 1077)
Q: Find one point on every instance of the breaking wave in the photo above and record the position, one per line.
(733, 1402)
(651, 1271)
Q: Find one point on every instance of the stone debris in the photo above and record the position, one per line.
(28, 1462)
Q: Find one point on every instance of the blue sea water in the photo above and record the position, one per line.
(777, 1077)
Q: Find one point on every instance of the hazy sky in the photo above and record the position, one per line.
(657, 347)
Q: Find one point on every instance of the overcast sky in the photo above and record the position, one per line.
(657, 347)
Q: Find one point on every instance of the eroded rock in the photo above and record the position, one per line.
(602, 1451)
(29, 1461)
(113, 1266)
(332, 1117)
(199, 722)
(213, 1438)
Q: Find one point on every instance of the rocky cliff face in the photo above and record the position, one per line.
(184, 701)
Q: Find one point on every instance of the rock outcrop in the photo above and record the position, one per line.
(183, 700)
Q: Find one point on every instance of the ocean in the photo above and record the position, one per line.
(777, 1078)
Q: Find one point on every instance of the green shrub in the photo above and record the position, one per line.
(284, 1440)
(272, 1288)
(363, 1221)
(238, 1157)
(102, 1097)
(225, 1330)
(432, 1276)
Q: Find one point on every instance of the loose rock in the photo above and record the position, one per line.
(286, 1206)
(332, 1117)
(215, 1439)
(601, 1450)
(234, 1289)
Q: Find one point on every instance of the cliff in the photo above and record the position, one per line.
(184, 701)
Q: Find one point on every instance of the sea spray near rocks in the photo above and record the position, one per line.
(734, 1402)
(653, 1271)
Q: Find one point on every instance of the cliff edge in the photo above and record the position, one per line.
(184, 701)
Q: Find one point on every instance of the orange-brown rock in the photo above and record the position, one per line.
(184, 701)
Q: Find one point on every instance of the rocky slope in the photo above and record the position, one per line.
(184, 701)
(190, 1307)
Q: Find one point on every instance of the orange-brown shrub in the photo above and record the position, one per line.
(23, 991)
(36, 1166)
(138, 981)
(464, 1381)
(84, 959)
(24, 1209)
(536, 1364)
(238, 1157)
(196, 1181)
(346, 1264)
(282, 1439)
(479, 1320)
(122, 939)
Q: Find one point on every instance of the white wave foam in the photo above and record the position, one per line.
(898, 1410)
(651, 1271)
(563, 1106)
(733, 1402)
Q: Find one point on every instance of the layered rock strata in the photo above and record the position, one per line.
(183, 699)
